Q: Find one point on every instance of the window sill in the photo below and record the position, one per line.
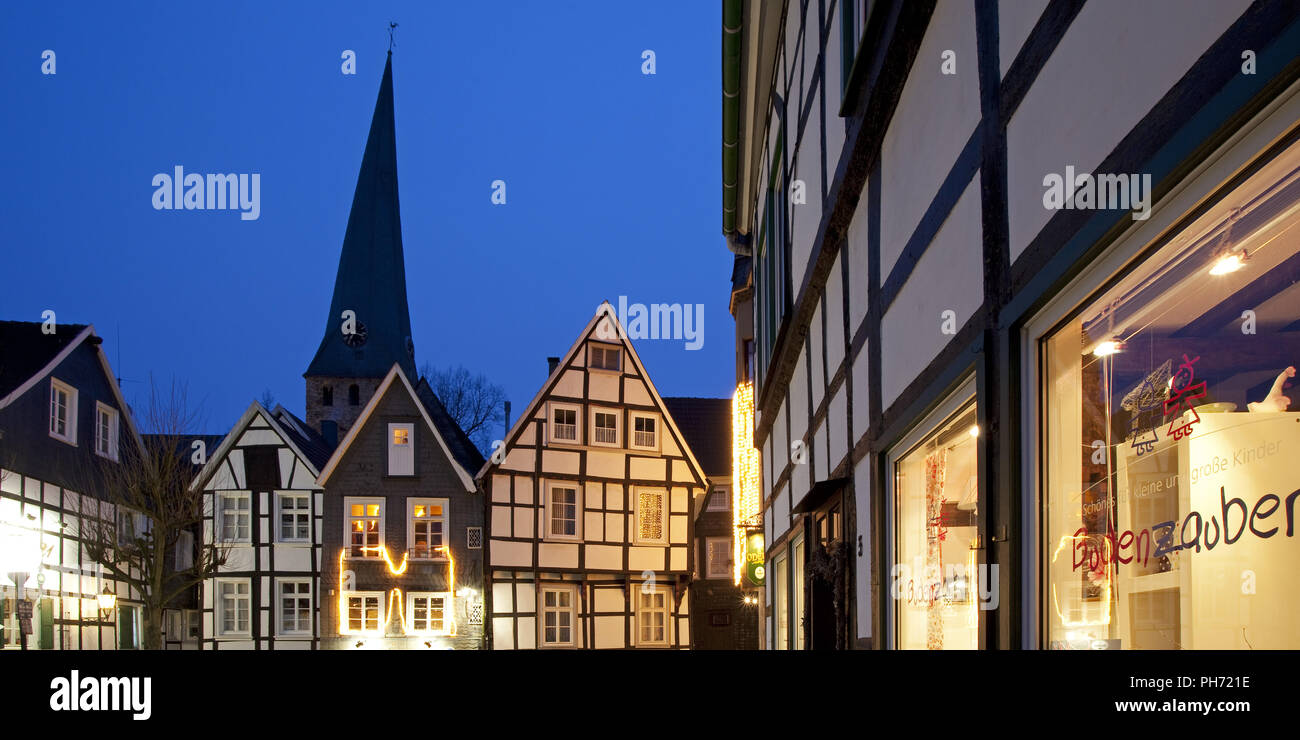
(64, 440)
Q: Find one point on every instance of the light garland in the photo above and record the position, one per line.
(746, 488)
(449, 614)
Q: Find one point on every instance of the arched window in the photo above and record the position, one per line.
(354, 395)
(327, 396)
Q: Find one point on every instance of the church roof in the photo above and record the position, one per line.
(371, 279)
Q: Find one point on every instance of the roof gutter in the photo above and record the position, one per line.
(732, 14)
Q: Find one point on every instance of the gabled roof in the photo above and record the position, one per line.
(395, 375)
(255, 410)
(619, 334)
(371, 279)
(461, 447)
(25, 350)
(27, 354)
(706, 423)
(312, 444)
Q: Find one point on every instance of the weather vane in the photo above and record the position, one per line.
(391, 27)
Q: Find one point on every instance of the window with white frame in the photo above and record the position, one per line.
(105, 431)
(365, 611)
(132, 525)
(294, 511)
(563, 505)
(295, 606)
(429, 613)
(401, 449)
(426, 527)
(720, 499)
(234, 518)
(652, 515)
(558, 616)
(652, 617)
(233, 607)
(63, 411)
(604, 357)
(718, 551)
(564, 423)
(645, 431)
(604, 427)
(365, 527)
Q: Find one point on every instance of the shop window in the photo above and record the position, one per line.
(935, 500)
(1171, 429)
(781, 604)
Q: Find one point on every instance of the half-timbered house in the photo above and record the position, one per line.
(590, 502)
(263, 509)
(61, 416)
(1012, 263)
(404, 527)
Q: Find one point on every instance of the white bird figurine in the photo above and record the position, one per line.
(1275, 401)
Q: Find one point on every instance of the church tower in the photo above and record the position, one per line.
(369, 324)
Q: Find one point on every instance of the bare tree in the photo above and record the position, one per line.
(267, 400)
(476, 403)
(145, 507)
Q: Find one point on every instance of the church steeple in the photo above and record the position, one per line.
(371, 283)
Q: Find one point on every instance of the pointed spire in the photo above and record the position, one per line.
(371, 280)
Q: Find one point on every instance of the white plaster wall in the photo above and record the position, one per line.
(837, 419)
(834, 317)
(859, 273)
(948, 277)
(834, 82)
(935, 116)
(815, 338)
(1015, 20)
(1115, 62)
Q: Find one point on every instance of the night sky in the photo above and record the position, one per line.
(612, 177)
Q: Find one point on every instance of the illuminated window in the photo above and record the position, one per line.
(426, 520)
(233, 606)
(645, 435)
(564, 423)
(401, 453)
(63, 412)
(652, 617)
(105, 431)
(558, 616)
(295, 517)
(604, 424)
(651, 516)
(935, 484)
(364, 612)
(780, 590)
(235, 517)
(718, 553)
(562, 506)
(603, 357)
(796, 591)
(295, 607)
(365, 527)
(1170, 413)
(429, 612)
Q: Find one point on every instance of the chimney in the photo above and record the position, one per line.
(551, 363)
(507, 417)
(329, 429)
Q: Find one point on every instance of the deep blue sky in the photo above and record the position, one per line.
(612, 181)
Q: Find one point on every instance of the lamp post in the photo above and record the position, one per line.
(20, 557)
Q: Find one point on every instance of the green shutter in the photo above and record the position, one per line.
(125, 629)
(46, 638)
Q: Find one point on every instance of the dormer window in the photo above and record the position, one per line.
(354, 395)
(604, 357)
(327, 396)
(63, 412)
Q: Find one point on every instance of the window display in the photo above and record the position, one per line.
(1171, 432)
(936, 497)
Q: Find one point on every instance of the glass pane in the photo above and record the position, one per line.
(1170, 434)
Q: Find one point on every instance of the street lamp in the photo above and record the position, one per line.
(20, 556)
(107, 601)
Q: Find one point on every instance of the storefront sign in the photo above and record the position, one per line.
(755, 572)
